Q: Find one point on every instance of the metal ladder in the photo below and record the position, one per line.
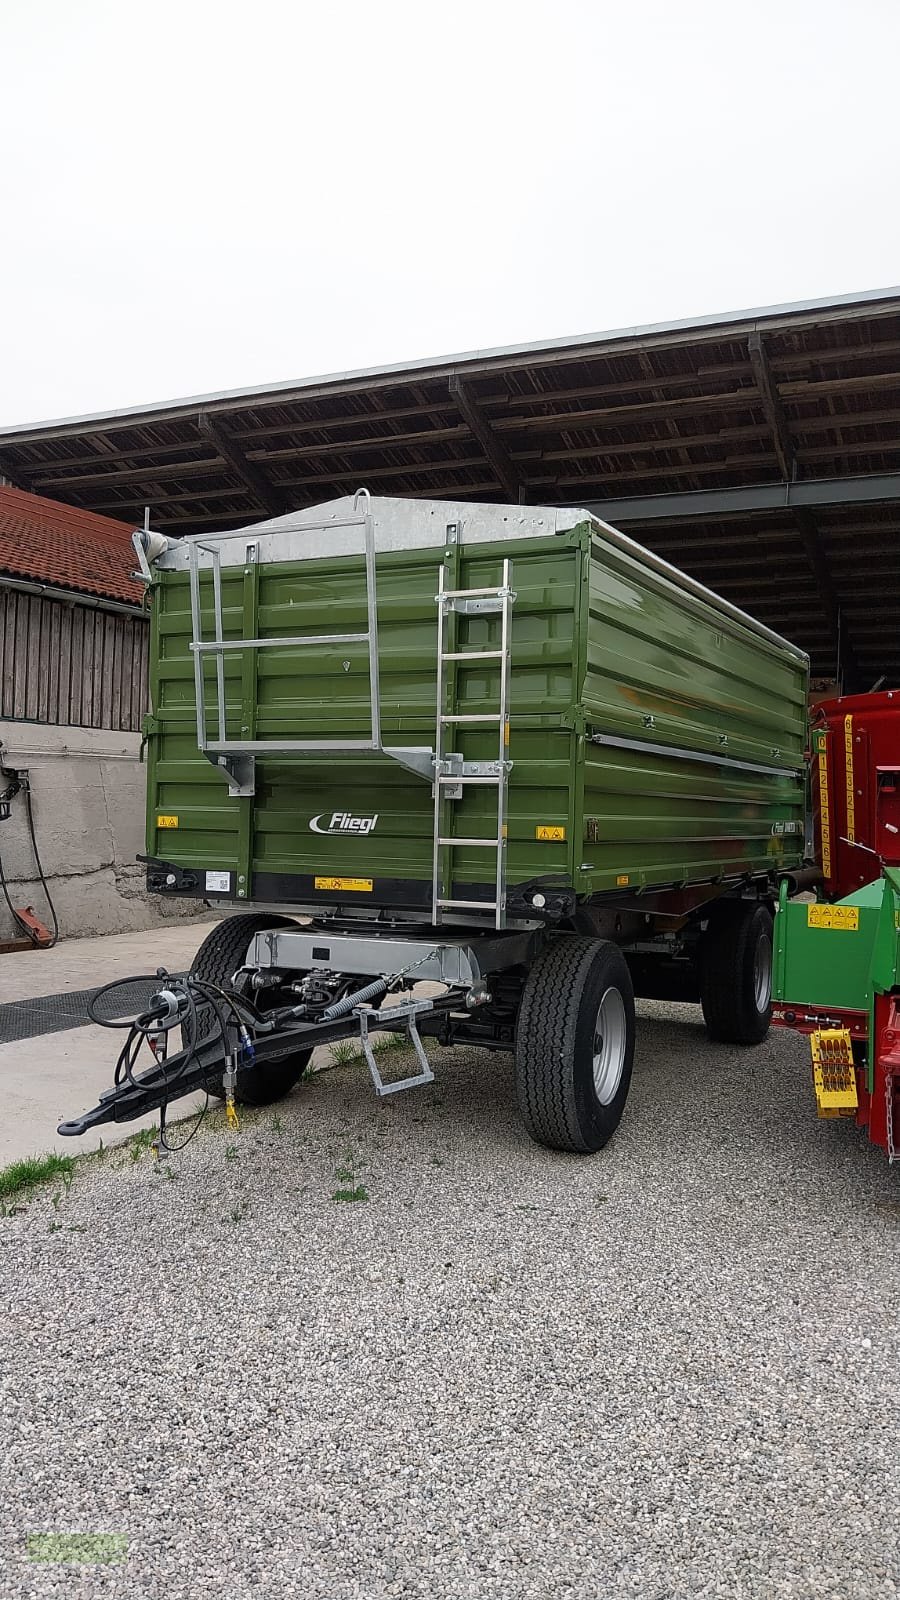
(237, 757)
(451, 773)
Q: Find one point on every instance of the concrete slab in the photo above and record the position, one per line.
(56, 1075)
(45, 1080)
(84, 963)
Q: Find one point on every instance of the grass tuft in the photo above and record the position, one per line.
(348, 1196)
(390, 1041)
(22, 1176)
(343, 1050)
(143, 1140)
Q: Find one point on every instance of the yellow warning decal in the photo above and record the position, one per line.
(623, 880)
(549, 830)
(824, 813)
(848, 770)
(167, 821)
(336, 885)
(845, 918)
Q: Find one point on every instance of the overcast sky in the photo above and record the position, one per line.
(205, 194)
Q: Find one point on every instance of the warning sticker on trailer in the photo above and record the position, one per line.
(166, 821)
(844, 918)
(338, 885)
(549, 830)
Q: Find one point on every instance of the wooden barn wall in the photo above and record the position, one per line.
(67, 663)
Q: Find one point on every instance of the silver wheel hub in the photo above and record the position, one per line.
(609, 1046)
(762, 974)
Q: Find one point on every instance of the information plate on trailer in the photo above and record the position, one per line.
(845, 918)
(338, 885)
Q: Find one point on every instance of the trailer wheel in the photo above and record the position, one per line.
(575, 1044)
(221, 953)
(736, 972)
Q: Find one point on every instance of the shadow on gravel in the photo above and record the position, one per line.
(691, 1101)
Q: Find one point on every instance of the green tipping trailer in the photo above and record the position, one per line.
(504, 741)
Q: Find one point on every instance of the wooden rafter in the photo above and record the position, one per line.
(251, 475)
(494, 449)
(771, 404)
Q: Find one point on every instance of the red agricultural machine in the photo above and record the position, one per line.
(837, 961)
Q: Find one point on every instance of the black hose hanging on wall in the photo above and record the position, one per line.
(19, 781)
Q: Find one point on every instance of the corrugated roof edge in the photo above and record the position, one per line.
(877, 298)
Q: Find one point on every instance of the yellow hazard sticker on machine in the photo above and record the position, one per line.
(849, 779)
(622, 880)
(166, 821)
(824, 809)
(549, 830)
(338, 885)
(845, 918)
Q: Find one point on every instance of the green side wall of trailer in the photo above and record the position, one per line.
(602, 644)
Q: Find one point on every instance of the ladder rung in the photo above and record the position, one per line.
(473, 655)
(472, 594)
(470, 905)
(488, 716)
(487, 844)
(461, 778)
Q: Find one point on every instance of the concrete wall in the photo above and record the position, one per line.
(88, 800)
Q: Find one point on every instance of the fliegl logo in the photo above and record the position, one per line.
(342, 822)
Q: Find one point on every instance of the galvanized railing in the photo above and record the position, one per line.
(237, 756)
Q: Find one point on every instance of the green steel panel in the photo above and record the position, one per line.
(841, 969)
(658, 818)
(823, 968)
(600, 645)
(665, 667)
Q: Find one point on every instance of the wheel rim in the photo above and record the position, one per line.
(762, 973)
(609, 1046)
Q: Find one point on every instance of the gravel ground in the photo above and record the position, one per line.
(668, 1370)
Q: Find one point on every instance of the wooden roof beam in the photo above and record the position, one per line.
(501, 463)
(249, 473)
(772, 406)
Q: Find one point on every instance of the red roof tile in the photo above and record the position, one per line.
(47, 542)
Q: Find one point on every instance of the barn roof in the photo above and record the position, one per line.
(759, 450)
(48, 543)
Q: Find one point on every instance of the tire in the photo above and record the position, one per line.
(736, 972)
(572, 1094)
(221, 953)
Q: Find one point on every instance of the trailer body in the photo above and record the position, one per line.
(655, 736)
